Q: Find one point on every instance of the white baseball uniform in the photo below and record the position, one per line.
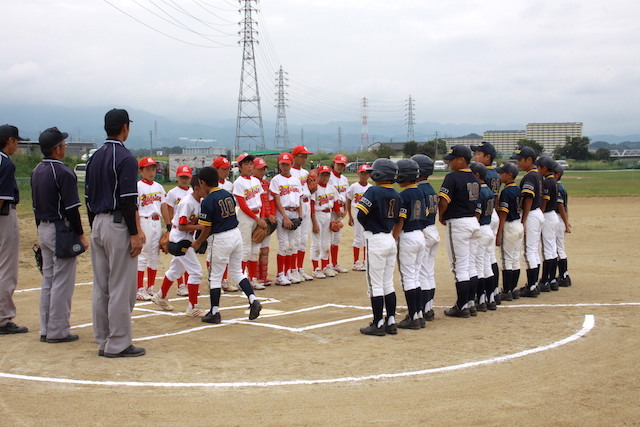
(305, 202)
(186, 213)
(289, 190)
(249, 188)
(323, 199)
(354, 194)
(341, 184)
(151, 195)
(175, 195)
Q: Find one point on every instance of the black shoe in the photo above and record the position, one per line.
(101, 353)
(12, 328)
(506, 296)
(482, 307)
(554, 285)
(374, 330)
(430, 316)
(456, 312)
(473, 311)
(528, 293)
(515, 294)
(254, 310)
(544, 287)
(68, 338)
(43, 338)
(212, 318)
(492, 306)
(130, 351)
(409, 323)
(565, 282)
(423, 323)
(498, 298)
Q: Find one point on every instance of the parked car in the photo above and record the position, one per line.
(563, 163)
(439, 165)
(353, 166)
(87, 156)
(80, 170)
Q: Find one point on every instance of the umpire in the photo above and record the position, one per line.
(56, 205)
(111, 192)
(9, 231)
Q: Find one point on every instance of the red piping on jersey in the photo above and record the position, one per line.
(147, 181)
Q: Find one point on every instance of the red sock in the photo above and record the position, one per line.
(186, 277)
(140, 279)
(287, 264)
(166, 284)
(244, 266)
(280, 263)
(334, 254)
(253, 269)
(151, 277)
(226, 271)
(356, 254)
(324, 264)
(314, 262)
(301, 259)
(208, 265)
(194, 289)
(180, 281)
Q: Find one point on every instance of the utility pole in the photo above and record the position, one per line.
(249, 129)
(282, 138)
(151, 143)
(410, 120)
(364, 138)
(339, 139)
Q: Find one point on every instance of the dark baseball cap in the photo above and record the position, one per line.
(557, 168)
(485, 147)
(458, 151)
(116, 117)
(546, 161)
(10, 131)
(508, 167)
(523, 152)
(51, 137)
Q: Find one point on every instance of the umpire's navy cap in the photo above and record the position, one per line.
(487, 148)
(116, 117)
(51, 137)
(10, 131)
(523, 152)
(508, 167)
(458, 151)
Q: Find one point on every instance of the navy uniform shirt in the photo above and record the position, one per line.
(492, 179)
(8, 185)
(486, 204)
(462, 190)
(550, 193)
(112, 173)
(431, 198)
(218, 211)
(54, 189)
(531, 186)
(379, 208)
(413, 208)
(510, 202)
(563, 197)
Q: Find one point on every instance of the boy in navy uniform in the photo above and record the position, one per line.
(378, 212)
(218, 216)
(562, 209)
(458, 200)
(550, 227)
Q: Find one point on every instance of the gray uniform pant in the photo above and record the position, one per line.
(58, 284)
(114, 283)
(9, 250)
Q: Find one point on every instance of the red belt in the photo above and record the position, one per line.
(326, 210)
(255, 210)
(154, 218)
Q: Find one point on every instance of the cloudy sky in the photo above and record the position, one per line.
(462, 61)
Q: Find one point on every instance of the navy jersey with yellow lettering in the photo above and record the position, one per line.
(486, 204)
(492, 179)
(431, 197)
(531, 186)
(563, 197)
(550, 193)
(510, 202)
(413, 208)
(218, 211)
(379, 208)
(462, 190)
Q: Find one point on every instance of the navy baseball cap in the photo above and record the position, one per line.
(51, 137)
(458, 151)
(508, 167)
(557, 168)
(116, 117)
(546, 161)
(487, 148)
(523, 152)
(10, 131)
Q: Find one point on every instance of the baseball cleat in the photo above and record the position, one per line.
(359, 266)
(151, 291)
(254, 309)
(527, 292)
(545, 287)
(257, 285)
(423, 323)
(553, 285)
(409, 323)
(515, 294)
(482, 307)
(162, 302)
(473, 311)
(505, 296)
(456, 312)
(318, 274)
(196, 312)
(183, 291)
(430, 315)
(282, 280)
(329, 272)
(339, 269)
(492, 306)
(212, 318)
(142, 295)
(304, 274)
(374, 330)
(294, 277)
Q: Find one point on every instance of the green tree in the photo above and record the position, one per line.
(410, 148)
(538, 148)
(434, 148)
(602, 154)
(576, 148)
(385, 151)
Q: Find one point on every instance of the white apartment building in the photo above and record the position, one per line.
(552, 135)
(505, 141)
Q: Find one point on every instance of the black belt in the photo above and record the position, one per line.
(46, 221)
(290, 209)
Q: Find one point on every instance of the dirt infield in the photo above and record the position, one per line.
(305, 363)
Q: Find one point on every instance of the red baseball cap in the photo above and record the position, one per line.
(221, 162)
(285, 158)
(184, 170)
(324, 169)
(340, 158)
(300, 149)
(259, 163)
(364, 168)
(241, 157)
(146, 161)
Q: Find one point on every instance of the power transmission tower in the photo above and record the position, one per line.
(411, 118)
(249, 129)
(282, 139)
(339, 139)
(364, 138)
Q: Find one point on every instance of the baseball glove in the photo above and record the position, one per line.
(164, 240)
(335, 226)
(259, 234)
(203, 248)
(295, 223)
(37, 253)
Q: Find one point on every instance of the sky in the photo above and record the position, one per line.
(462, 61)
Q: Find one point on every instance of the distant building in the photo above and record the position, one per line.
(504, 141)
(75, 149)
(553, 135)
(465, 140)
(208, 151)
(398, 147)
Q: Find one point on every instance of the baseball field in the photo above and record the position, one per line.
(564, 358)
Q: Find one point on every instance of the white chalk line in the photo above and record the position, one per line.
(587, 325)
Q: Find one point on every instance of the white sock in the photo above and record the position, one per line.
(252, 298)
(391, 320)
(215, 309)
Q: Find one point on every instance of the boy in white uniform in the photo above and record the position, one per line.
(184, 224)
(323, 202)
(300, 154)
(286, 190)
(247, 190)
(268, 214)
(181, 191)
(151, 195)
(341, 183)
(223, 166)
(353, 196)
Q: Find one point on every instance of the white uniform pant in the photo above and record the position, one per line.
(381, 252)
(336, 236)
(186, 263)
(486, 246)
(533, 228)
(428, 262)
(321, 241)
(549, 232)
(305, 228)
(287, 239)
(150, 254)
(246, 225)
(512, 236)
(562, 254)
(411, 252)
(495, 221)
(226, 249)
(462, 236)
(358, 230)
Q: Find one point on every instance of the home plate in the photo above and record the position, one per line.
(267, 311)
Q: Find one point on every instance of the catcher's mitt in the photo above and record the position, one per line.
(312, 180)
(335, 226)
(37, 253)
(259, 234)
(164, 240)
(295, 223)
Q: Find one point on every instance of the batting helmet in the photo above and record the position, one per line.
(479, 168)
(408, 170)
(384, 170)
(425, 163)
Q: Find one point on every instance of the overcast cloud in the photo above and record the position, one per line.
(462, 61)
